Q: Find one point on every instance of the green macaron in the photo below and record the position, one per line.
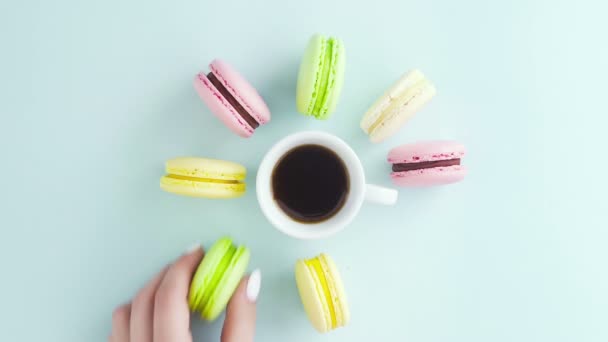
(321, 77)
(217, 277)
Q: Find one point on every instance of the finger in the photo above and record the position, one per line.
(120, 323)
(171, 312)
(239, 325)
(142, 310)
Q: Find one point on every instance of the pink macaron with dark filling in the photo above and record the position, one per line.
(231, 98)
(427, 163)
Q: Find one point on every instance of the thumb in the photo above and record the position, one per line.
(239, 325)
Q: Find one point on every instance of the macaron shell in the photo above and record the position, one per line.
(220, 107)
(309, 68)
(204, 273)
(426, 151)
(314, 305)
(227, 285)
(242, 90)
(206, 189)
(429, 177)
(205, 168)
(339, 297)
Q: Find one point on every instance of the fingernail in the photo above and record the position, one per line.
(253, 285)
(193, 248)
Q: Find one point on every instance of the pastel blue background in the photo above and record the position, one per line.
(96, 95)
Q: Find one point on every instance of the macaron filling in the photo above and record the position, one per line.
(404, 167)
(323, 85)
(314, 265)
(205, 294)
(233, 101)
(217, 278)
(203, 180)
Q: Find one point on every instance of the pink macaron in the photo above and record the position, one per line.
(427, 163)
(231, 98)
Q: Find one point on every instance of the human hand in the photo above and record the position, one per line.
(159, 312)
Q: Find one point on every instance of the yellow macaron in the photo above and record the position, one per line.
(322, 293)
(203, 177)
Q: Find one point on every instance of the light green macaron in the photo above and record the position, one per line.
(217, 277)
(321, 77)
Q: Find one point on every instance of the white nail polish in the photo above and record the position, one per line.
(193, 248)
(253, 285)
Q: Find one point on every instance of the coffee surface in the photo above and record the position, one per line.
(310, 183)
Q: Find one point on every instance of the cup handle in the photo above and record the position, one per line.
(380, 195)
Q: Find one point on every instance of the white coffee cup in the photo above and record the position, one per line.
(359, 191)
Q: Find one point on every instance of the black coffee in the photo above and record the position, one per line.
(310, 183)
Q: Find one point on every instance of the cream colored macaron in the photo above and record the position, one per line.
(386, 116)
(322, 293)
(203, 177)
